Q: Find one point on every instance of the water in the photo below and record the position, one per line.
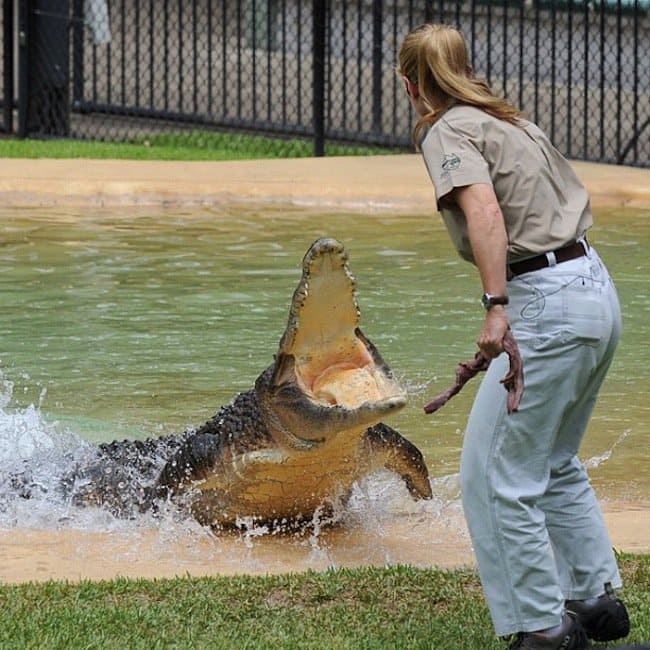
(139, 324)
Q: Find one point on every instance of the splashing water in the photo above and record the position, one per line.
(595, 461)
(380, 523)
(34, 456)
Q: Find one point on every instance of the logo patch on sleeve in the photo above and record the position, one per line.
(450, 162)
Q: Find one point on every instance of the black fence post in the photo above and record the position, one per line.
(8, 67)
(319, 17)
(428, 11)
(43, 93)
(377, 49)
(77, 53)
(25, 10)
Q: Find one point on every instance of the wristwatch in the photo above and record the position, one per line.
(488, 300)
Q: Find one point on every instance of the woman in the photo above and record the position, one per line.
(514, 207)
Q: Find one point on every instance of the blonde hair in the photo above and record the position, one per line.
(434, 57)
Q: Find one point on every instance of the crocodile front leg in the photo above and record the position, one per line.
(390, 450)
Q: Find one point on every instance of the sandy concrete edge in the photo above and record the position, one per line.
(33, 555)
(391, 182)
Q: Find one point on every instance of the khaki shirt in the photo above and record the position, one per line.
(544, 204)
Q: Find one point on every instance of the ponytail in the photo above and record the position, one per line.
(434, 57)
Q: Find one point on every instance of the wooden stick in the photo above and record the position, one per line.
(513, 381)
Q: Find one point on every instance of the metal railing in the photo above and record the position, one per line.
(323, 71)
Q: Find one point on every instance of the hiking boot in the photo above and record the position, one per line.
(603, 619)
(570, 637)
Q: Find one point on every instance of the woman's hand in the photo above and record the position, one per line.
(495, 326)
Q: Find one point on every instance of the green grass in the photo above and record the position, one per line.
(397, 607)
(188, 145)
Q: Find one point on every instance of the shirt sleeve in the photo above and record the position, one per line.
(453, 158)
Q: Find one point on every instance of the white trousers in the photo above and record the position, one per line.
(536, 527)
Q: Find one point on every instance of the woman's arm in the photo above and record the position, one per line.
(489, 242)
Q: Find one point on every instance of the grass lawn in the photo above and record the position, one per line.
(189, 145)
(396, 607)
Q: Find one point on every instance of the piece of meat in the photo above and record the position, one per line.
(513, 381)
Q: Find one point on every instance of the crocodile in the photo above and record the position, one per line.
(288, 448)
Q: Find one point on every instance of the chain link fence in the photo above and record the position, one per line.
(320, 74)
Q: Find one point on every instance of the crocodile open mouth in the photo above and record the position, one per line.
(331, 360)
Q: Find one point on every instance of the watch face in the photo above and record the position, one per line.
(488, 300)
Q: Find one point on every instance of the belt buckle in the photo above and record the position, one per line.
(551, 259)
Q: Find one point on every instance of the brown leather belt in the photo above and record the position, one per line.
(564, 254)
